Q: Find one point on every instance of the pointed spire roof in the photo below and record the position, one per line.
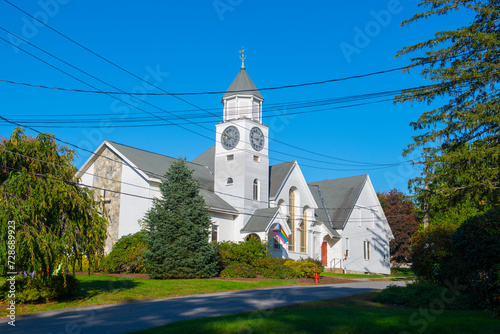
(242, 85)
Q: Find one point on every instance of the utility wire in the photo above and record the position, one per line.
(42, 175)
(142, 79)
(314, 160)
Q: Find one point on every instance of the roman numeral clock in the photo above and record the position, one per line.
(257, 138)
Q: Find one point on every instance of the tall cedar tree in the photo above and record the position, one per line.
(460, 139)
(177, 228)
(404, 222)
(56, 220)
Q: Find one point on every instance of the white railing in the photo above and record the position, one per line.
(336, 263)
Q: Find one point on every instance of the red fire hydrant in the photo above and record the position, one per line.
(316, 278)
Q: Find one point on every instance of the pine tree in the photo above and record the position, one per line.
(177, 228)
(460, 139)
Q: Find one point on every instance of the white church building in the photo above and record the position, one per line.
(338, 221)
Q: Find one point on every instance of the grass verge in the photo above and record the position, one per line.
(101, 289)
(355, 314)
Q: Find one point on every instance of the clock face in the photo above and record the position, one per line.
(230, 137)
(257, 138)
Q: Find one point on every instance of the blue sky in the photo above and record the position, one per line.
(186, 46)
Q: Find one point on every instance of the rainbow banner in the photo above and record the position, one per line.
(281, 234)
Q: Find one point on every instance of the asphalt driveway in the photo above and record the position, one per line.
(137, 315)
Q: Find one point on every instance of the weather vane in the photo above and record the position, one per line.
(242, 57)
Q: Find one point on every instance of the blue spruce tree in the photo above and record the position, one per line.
(177, 228)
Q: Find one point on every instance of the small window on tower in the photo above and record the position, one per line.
(229, 181)
(256, 158)
(230, 157)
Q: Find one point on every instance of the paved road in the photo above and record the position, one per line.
(133, 316)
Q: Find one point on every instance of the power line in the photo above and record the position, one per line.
(208, 92)
(42, 175)
(146, 171)
(121, 68)
(315, 160)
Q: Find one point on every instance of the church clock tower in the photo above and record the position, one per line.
(241, 152)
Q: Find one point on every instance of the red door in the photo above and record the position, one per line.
(324, 249)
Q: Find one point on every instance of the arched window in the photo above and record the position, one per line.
(303, 232)
(291, 219)
(229, 181)
(252, 236)
(256, 190)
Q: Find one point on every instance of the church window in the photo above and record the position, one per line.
(291, 219)
(230, 157)
(229, 181)
(276, 243)
(256, 190)
(256, 158)
(303, 232)
(346, 248)
(366, 250)
(214, 232)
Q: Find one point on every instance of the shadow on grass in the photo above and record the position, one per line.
(91, 287)
(356, 314)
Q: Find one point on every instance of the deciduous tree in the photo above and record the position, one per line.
(56, 221)
(402, 217)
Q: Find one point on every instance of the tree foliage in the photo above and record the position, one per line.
(474, 258)
(56, 220)
(402, 217)
(460, 139)
(177, 228)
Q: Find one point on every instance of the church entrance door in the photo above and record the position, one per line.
(324, 251)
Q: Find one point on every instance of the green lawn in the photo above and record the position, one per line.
(356, 314)
(101, 289)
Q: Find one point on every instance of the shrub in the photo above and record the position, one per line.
(429, 246)
(127, 255)
(317, 263)
(474, 259)
(267, 263)
(33, 290)
(424, 295)
(239, 270)
(242, 252)
(304, 268)
(279, 271)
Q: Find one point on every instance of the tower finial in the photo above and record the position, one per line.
(242, 57)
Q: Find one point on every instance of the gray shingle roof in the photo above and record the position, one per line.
(155, 165)
(207, 158)
(260, 220)
(277, 176)
(339, 197)
(242, 85)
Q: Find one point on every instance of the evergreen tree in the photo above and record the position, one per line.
(177, 228)
(460, 138)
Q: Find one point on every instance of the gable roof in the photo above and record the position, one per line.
(336, 198)
(278, 175)
(207, 158)
(242, 85)
(260, 220)
(155, 165)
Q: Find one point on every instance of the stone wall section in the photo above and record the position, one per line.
(108, 175)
